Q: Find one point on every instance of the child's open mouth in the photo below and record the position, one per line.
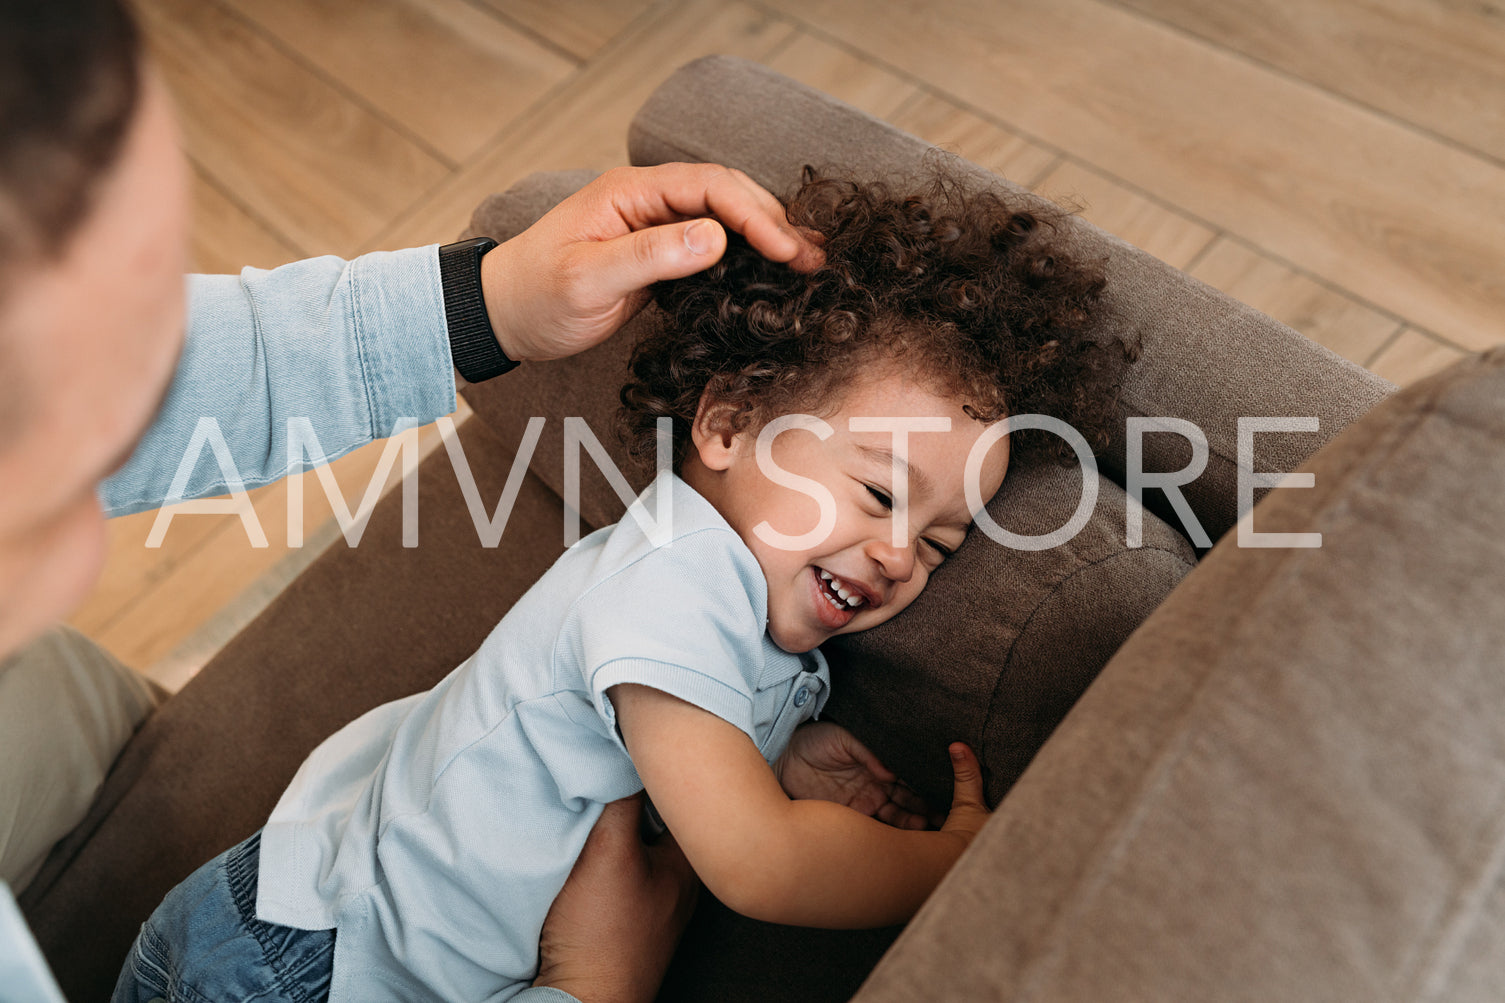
(835, 604)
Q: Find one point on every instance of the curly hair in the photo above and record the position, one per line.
(973, 292)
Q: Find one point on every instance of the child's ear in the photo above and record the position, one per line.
(711, 433)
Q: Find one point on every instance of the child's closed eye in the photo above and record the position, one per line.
(943, 551)
(884, 499)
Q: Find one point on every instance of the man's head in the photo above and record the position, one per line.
(70, 74)
(93, 239)
(937, 300)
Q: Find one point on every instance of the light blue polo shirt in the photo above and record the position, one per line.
(434, 832)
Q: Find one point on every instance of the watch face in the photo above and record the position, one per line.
(481, 245)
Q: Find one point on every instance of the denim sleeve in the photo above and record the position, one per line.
(351, 346)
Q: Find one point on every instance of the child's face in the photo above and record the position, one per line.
(856, 468)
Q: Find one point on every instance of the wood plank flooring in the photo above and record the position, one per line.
(1338, 164)
(1401, 219)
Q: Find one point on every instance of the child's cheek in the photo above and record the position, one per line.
(795, 514)
(910, 592)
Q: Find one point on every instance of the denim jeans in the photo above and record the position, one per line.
(204, 944)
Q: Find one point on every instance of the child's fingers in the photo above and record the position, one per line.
(909, 800)
(968, 777)
(892, 814)
(865, 756)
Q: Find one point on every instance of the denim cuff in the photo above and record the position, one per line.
(400, 331)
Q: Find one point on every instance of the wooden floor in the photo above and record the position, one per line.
(1339, 164)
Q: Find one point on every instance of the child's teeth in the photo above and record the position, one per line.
(849, 600)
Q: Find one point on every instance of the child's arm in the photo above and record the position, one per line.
(804, 863)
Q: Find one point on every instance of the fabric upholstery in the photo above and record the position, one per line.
(1288, 783)
(1206, 357)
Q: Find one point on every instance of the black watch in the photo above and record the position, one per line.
(477, 354)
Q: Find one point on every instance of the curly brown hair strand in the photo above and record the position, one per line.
(972, 292)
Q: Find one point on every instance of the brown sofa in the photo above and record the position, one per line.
(1288, 783)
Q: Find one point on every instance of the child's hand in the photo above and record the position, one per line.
(825, 762)
(969, 813)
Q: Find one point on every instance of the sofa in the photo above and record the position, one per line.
(1219, 772)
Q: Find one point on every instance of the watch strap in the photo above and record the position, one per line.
(472, 343)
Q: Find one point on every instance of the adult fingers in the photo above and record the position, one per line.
(666, 857)
(670, 192)
(668, 866)
(624, 266)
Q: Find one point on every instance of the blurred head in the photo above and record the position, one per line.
(937, 299)
(93, 245)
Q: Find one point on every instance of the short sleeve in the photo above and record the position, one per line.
(687, 618)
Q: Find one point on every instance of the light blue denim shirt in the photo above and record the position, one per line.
(353, 346)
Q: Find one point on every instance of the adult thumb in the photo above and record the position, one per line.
(636, 260)
(967, 775)
(616, 830)
(669, 863)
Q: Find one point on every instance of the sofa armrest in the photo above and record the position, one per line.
(1207, 358)
(1290, 782)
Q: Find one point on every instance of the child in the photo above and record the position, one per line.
(417, 851)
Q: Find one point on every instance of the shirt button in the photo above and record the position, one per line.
(802, 696)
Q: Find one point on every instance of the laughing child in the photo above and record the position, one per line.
(823, 426)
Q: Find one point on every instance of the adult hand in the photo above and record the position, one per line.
(826, 762)
(610, 933)
(574, 277)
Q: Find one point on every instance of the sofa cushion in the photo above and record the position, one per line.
(1290, 782)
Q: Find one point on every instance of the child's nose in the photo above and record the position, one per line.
(897, 562)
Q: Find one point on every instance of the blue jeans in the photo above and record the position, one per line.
(204, 944)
